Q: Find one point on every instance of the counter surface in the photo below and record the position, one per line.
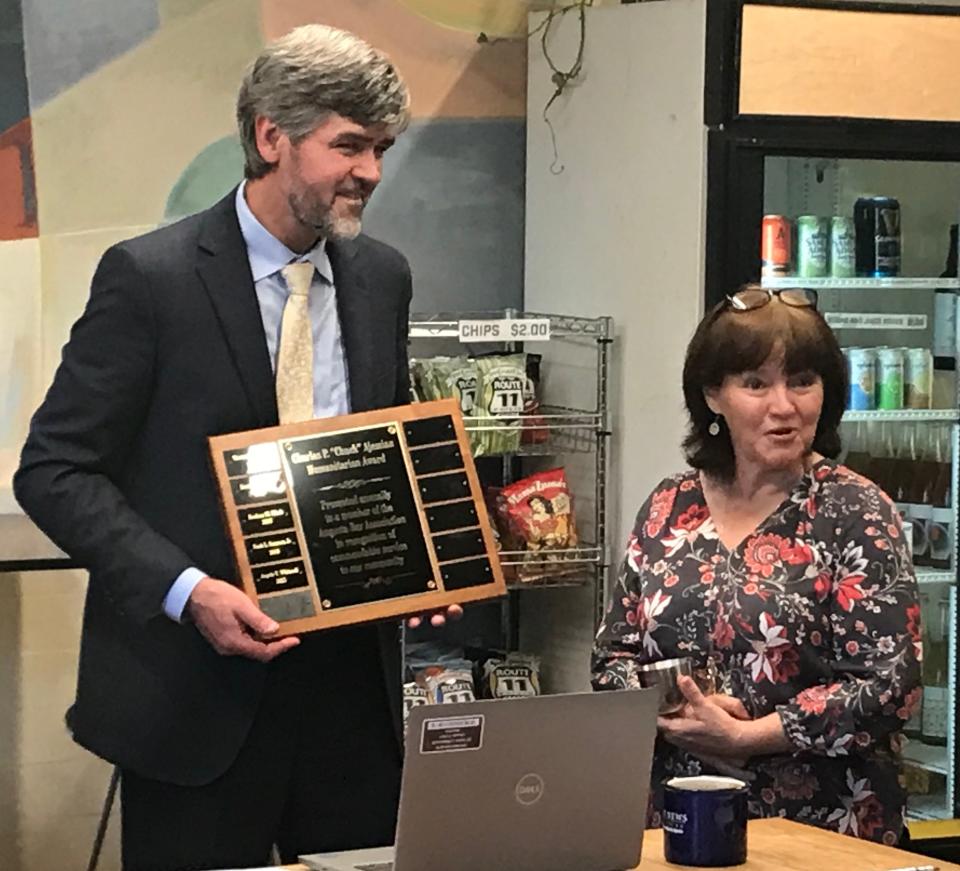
(780, 845)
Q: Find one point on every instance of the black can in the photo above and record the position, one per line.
(876, 222)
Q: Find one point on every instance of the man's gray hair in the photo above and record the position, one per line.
(310, 73)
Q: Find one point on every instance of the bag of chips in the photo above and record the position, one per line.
(449, 378)
(501, 382)
(499, 391)
(448, 683)
(516, 676)
(536, 516)
(422, 384)
(535, 430)
(418, 655)
(414, 695)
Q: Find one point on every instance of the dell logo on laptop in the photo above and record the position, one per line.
(529, 789)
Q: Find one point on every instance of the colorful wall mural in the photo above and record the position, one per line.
(119, 117)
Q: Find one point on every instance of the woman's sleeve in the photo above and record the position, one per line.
(875, 626)
(617, 649)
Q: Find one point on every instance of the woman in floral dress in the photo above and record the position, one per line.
(785, 572)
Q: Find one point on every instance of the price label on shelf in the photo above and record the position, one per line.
(506, 330)
(875, 321)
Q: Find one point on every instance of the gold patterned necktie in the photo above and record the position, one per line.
(295, 355)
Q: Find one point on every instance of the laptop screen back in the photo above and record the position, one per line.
(555, 782)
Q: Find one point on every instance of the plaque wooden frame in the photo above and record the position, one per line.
(269, 479)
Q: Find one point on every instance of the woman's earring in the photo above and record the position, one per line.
(714, 428)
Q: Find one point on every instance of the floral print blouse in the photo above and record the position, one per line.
(814, 616)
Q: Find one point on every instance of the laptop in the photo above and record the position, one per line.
(550, 782)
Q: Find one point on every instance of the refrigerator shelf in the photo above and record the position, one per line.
(904, 415)
(927, 756)
(927, 807)
(936, 576)
(775, 282)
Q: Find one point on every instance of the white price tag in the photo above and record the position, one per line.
(506, 330)
(875, 321)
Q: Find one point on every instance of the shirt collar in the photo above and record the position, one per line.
(266, 253)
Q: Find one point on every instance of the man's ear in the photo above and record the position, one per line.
(270, 139)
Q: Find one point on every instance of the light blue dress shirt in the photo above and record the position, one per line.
(331, 393)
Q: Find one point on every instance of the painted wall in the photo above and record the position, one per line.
(116, 116)
(619, 233)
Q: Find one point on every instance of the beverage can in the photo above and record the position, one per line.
(918, 378)
(945, 323)
(813, 242)
(941, 537)
(877, 229)
(842, 247)
(890, 378)
(862, 370)
(921, 516)
(775, 245)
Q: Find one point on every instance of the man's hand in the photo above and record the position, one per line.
(232, 624)
(436, 618)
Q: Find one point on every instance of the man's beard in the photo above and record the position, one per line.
(323, 218)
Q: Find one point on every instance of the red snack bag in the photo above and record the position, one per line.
(536, 515)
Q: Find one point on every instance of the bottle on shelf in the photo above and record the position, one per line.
(858, 454)
(923, 477)
(904, 484)
(945, 305)
(911, 486)
(885, 469)
(933, 727)
(951, 267)
(941, 522)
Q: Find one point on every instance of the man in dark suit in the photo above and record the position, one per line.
(230, 740)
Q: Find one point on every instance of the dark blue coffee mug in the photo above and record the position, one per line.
(705, 821)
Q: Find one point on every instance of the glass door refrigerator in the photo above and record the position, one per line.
(834, 164)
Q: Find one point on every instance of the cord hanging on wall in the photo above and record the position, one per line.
(559, 77)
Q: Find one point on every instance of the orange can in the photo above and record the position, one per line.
(775, 247)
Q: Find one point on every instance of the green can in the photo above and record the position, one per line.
(842, 248)
(813, 246)
(890, 365)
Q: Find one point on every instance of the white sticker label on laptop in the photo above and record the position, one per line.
(450, 734)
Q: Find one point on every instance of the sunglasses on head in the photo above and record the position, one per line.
(756, 297)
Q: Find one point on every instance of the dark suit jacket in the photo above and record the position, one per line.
(170, 350)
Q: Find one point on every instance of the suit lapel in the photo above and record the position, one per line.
(354, 308)
(225, 272)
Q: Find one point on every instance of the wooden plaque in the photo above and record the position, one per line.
(357, 518)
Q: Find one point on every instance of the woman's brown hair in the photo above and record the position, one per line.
(728, 342)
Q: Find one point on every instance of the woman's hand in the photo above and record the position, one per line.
(733, 706)
(709, 725)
